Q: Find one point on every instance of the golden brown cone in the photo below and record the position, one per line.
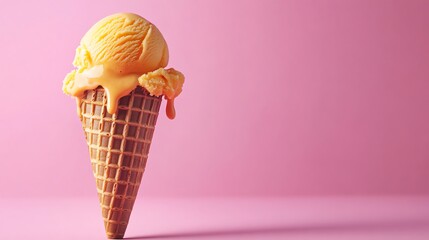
(118, 146)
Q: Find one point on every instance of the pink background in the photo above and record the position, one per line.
(281, 98)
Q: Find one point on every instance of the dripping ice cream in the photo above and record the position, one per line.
(119, 53)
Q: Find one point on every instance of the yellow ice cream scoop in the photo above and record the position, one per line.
(115, 52)
(124, 42)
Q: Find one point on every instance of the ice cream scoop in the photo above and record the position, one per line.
(114, 53)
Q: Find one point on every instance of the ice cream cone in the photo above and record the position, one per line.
(118, 146)
(119, 80)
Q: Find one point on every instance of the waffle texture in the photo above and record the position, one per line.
(118, 146)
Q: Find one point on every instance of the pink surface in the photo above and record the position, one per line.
(251, 218)
(281, 98)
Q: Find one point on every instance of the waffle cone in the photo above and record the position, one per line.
(118, 146)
